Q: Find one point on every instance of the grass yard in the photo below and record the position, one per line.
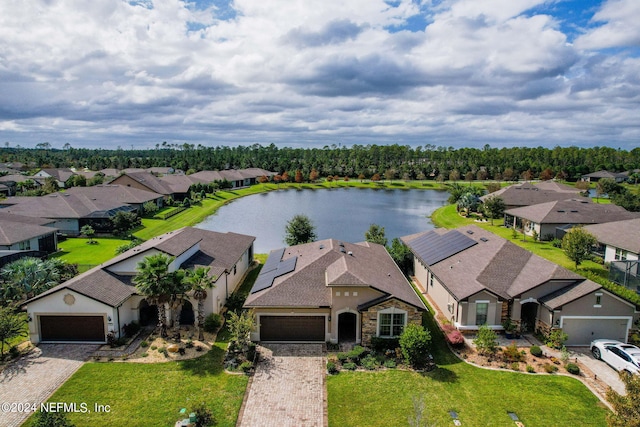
(481, 397)
(141, 394)
(77, 251)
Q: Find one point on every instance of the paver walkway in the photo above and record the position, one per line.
(34, 377)
(288, 388)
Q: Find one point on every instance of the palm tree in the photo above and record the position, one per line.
(155, 283)
(28, 277)
(200, 281)
(177, 296)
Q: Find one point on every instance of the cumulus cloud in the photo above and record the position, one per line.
(450, 72)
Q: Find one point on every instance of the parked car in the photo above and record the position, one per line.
(620, 356)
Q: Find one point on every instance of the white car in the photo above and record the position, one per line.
(620, 356)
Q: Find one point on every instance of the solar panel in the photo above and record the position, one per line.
(433, 247)
(273, 268)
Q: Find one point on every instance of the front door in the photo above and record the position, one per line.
(347, 327)
(528, 316)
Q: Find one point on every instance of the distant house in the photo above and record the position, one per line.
(620, 238)
(527, 194)
(104, 299)
(11, 182)
(237, 177)
(174, 186)
(596, 176)
(62, 176)
(79, 206)
(332, 291)
(546, 218)
(24, 233)
(474, 278)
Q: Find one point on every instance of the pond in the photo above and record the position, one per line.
(340, 213)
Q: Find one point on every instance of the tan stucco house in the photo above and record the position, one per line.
(475, 277)
(104, 298)
(332, 291)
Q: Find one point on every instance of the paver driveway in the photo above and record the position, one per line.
(288, 388)
(33, 378)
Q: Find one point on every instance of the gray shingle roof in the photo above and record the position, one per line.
(326, 263)
(570, 293)
(18, 228)
(527, 194)
(620, 234)
(572, 211)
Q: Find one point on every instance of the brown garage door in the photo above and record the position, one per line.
(292, 328)
(72, 328)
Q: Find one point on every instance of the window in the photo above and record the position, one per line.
(621, 255)
(482, 308)
(25, 246)
(337, 293)
(355, 294)
(391, 324)
(431, 279)
(346, 294)
(598, 300)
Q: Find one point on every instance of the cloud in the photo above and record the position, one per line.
(451, 72)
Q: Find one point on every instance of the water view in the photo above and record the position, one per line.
(341, 213)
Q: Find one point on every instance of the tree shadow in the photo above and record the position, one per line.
(441, 374)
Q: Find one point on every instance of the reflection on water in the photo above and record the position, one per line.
(340, 213)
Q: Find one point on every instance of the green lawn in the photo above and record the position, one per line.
(480, 397)
(78, 251)
(151, 394)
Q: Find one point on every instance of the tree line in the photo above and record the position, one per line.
(391, 161)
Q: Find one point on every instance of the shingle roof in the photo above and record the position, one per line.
(620, 234)
(150, 181)
(61, 174)
(494, 264)
(220, 251)
(570, 293)
(572, 211)
(17, 228)
(605, 174)
(327, 263)
(528, 194)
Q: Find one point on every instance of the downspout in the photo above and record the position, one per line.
(118, 315)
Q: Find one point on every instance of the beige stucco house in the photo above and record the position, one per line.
(475, 277)
(104, 298)
(332, 291)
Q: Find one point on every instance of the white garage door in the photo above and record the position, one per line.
(582, 331)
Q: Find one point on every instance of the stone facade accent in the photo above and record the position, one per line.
(370, 318)
(542, 328)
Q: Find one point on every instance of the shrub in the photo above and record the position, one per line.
(381, 345)
(154, 347)
(189, 344)
(531, 369)
(342, 357)
(350, 366)
(251, 351)
(550, 369)
(572, 368)
(389, 363)
(14, 352)
(556, 338)
(212, 322)
(487, 341)
(535, 351)
(556, 243)
(515, 366)
(414, 343)
(246, 367)
(199, 348)
(51, 419)
(162, 349)
(182, 351)
(235, 301)
(369, 362)
(454, 337)
(130, 329)
(144, 344)
(512, 354)
(204, 416)
(332, 368)
(357, 353)
(144, 354)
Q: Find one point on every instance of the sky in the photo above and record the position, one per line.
(304, 73)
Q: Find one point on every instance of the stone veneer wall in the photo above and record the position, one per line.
(542, 328)
(370, 318)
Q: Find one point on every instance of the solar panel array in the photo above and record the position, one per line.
(432, 247)
(274, 267)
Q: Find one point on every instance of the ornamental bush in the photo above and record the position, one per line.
(572, 368)
(414, 342)
(212, 322)
(535, 351)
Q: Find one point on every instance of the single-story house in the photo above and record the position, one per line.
(474, 278)
(596, 176)
(12, 180)
(24, 233)
(78, 206)
(527, 194)
(237, 177)
(621, 239)
(545, 218)
(332, 291)
(174, 186)
(104, 299)
(62, 175)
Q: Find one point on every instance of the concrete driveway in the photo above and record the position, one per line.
(288, 388)
(600, 369)
(34, 377)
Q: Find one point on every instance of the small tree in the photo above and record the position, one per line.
(240, 327)
(299, 230)
(401, 254)
(626, 408)
(577, 245)
(124, 221)
(150, 208)
(494, 206)
(11, 326)
(375, 234)
(487, 341)
(89, 232)
(414, 342)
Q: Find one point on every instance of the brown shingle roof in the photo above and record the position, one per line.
(327, 263)
(570, 293)
(572, 211)
(620, 234)
(527, 194)
(61, 174)
(17, 228)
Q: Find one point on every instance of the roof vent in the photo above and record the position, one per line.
(484, 239)
(321, 246)
(469, 232)
(341, 244)
(560, 210)
(573, 210)
(343, 251)
(350, 253)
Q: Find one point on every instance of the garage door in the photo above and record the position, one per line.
(292, 328)
(72, 328)
(583, 331)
